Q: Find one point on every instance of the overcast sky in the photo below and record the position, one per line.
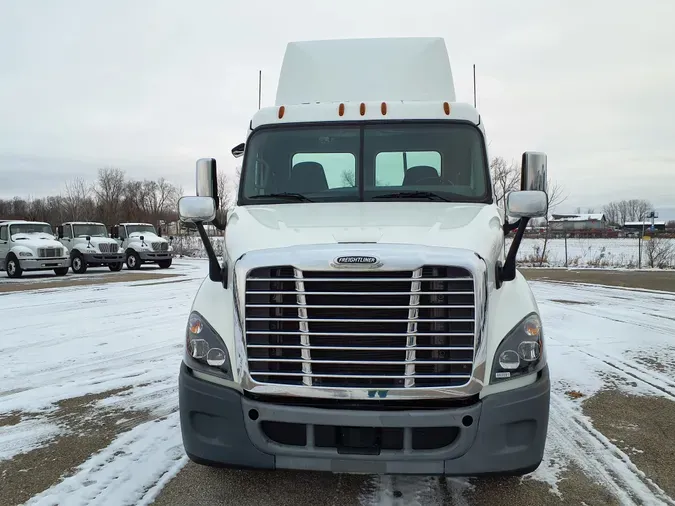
(150, 86)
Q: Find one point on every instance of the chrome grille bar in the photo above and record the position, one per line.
(304, 329)
(411, 338)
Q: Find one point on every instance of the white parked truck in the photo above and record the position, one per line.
(30, 246)
(141, 244)
(365, 317)
(90, 246)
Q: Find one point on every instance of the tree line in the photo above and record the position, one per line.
(113, 197)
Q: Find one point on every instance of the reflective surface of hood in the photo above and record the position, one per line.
(472, 226)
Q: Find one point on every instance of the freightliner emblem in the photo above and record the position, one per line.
(359, 261)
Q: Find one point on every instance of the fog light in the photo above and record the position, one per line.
(215, 357)
(509, 360)
(198, 348)
(529, 350)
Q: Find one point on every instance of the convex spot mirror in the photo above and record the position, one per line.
(533, 175)
(527, 204)
(196, 209)
(238, 150)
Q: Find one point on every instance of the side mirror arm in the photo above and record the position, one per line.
(508, 227)
(218, 224)
(216, 272)
(507, 272)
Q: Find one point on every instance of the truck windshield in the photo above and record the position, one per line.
(91, 229)
(365, 162)
(140, 228)
(30, 228)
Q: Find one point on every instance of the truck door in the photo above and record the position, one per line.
(123, 236)
(4, 244)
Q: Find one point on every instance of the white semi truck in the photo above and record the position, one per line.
(30, 246)
(365, 317)
(90, 246)
(141, 244)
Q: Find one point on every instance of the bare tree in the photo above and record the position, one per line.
(348, 178)
(556, 196)
(505, 178)
(622, 211)
(77, 201)
(109, 190)
(660, 252)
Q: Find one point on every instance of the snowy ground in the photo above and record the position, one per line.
(98, 364)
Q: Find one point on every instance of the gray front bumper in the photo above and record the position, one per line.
(43, 264)
(153, 256)
(104, 258)
(502, 433)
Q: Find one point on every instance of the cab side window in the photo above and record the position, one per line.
(68, 231)
(3, 233)
(122, 232)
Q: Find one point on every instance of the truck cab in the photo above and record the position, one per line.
(90, 246)
(365, 317)
(30, 246)
(141, 244)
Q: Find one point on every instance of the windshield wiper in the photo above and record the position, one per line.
(412, 195)
(288, 196)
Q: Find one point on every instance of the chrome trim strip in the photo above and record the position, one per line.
(407, 280)
(359, 348)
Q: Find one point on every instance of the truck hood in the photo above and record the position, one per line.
(476, 227)
(35, 241)
(147, 236)
(95, 241)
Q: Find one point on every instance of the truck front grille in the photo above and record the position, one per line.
(386, 329)
(50, 252)
(160, 246)
(108, 248)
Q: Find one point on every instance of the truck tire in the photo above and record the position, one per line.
(133, 260)
(78, 263)
(116, 267)
(13, 267)
(164, 264)
(61, 271)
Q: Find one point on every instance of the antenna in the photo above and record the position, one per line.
(259, 87)
(474, 85)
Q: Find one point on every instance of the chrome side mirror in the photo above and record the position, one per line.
(196, 209)
(527, 204)
(533, 175)
(207, 178)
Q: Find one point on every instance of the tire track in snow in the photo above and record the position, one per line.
(639, 374)
(575, 437)
(400, 490)
(130, 471)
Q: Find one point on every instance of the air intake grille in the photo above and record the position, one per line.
(391, 329)
(105, 247)
(50, 252)
(160, 246)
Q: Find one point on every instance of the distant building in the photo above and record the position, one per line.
(638, 226)
(577, 222)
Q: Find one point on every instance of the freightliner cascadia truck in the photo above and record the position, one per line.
(366, 316)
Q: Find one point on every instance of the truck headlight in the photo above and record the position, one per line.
(204, 346)
(521, 351)
(25, 254)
